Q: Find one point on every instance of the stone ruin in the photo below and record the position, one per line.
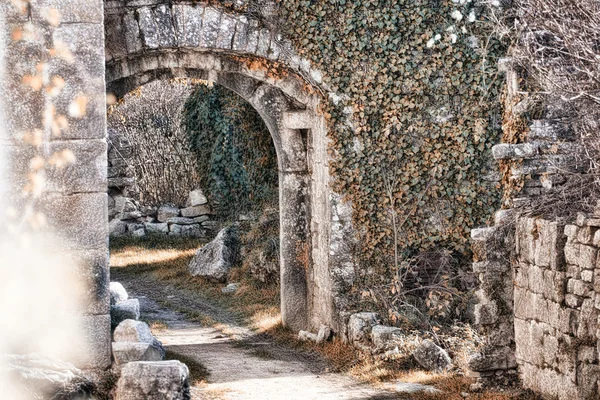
(127, 217)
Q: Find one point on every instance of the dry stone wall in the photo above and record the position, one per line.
(557, 297)
(127, 217)
(539, 283)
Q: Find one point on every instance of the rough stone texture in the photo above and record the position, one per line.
(167, 212)
(196, 198)
(195, 211)
(215, 259)
(554, 308)
(117, 293)
(133, 331)
(124, 310)
(38, 377)
(96, 349)
(162, 380)
(384, 336)
(126, 352)
(432, 357)
(359, 326)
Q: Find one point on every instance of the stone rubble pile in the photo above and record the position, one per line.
(139, 356)
(365, 332)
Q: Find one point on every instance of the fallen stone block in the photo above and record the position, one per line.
(117, 293)
(360, 324)
(124, 310)
(125, 352)
(307, 336)
(432, 357)
(324, 334)
(215, 259)
(137, 332)
(36, 377)
(154, 380)
(383, 336)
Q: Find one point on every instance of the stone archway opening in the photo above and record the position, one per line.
(289, 120)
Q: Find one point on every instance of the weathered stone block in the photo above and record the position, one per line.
(117, 293)
(492, 360)
(432, 357)
(587, 257)
(360, 325)
(126, 309)
(126, 352)
(196, 198)
(573, 271)
(166, 31)
(195, 211)
(159, 380)
(587, 276)
(514, 151)
(80, 220)
(585, 235)
(210, 28)
(226, 32)
(486, 314)
(166, 212)
(131, 33)
(192, 231)
(588, 321)
(188, 24)
(93, 292)
(579, 288)
(156, 228)
(554, 285)
(382, 336)
(573, 301)
(149, 30)
(87, 172)
(521, 278)
(572, 253)
(550, 348)
(536, 279)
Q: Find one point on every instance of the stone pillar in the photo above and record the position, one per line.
(58, 113)
(295, 249)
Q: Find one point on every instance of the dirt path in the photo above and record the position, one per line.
(240, 365)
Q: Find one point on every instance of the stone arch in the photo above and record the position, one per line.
(156, 40)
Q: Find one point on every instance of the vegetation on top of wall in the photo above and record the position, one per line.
(162, 163)
(237, 163)
(416, 112)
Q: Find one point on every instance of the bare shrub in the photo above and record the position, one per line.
(164, 167)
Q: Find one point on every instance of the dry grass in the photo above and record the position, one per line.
(257, 305)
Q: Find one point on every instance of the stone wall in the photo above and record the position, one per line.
(73, 200)
(557, 297)
(127, 217)
(537, 298)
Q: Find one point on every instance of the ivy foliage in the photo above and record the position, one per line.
(237, 163)
(418, 115)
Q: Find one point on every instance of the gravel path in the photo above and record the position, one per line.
(241, 365)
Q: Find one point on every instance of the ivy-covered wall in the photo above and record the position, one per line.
(416, 113)
(237, 164)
